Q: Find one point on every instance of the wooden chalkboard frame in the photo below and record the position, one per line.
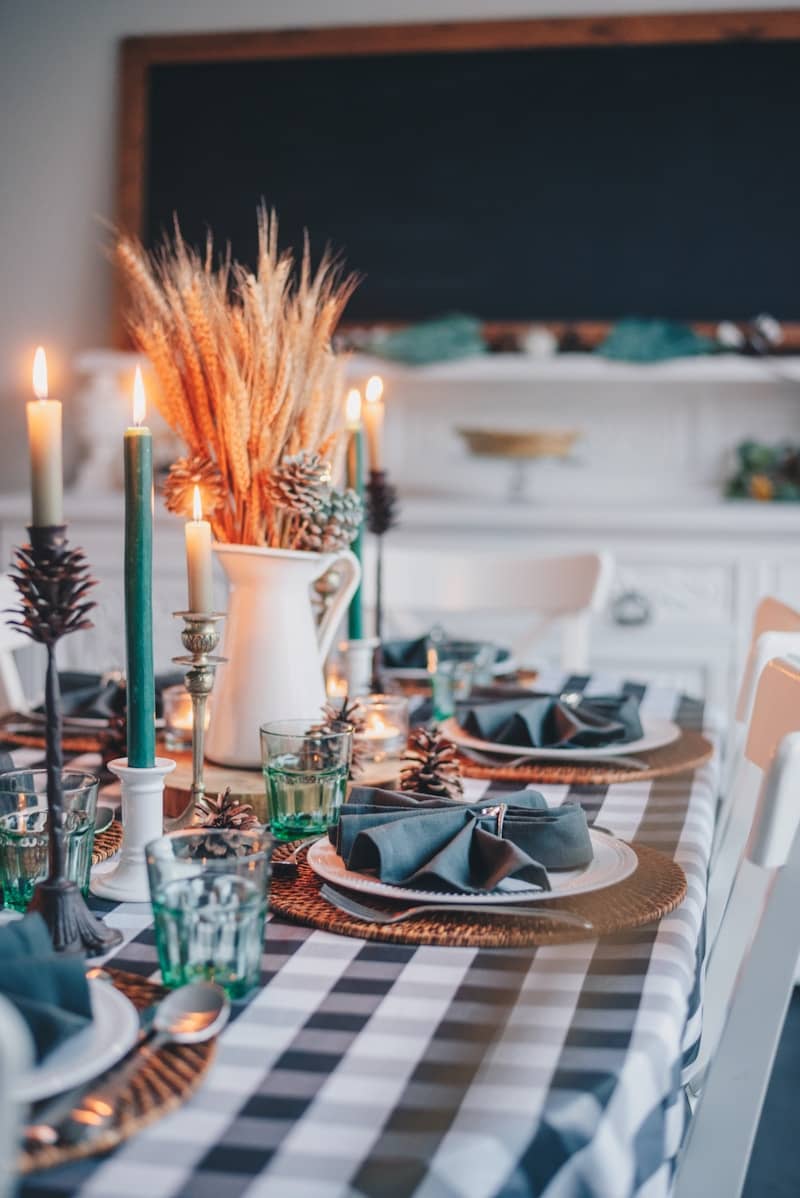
(139, 54)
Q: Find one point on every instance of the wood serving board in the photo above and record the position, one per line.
(247, 785)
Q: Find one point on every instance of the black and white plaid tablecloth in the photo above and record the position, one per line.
(364, 1070)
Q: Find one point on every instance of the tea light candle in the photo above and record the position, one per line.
(385, 729)
(44, 437)
(198, 559)
(179, 717)
(372, 415)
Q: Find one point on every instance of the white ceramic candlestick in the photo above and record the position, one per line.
(142, 821)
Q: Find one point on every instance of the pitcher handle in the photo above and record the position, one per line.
(330, 621)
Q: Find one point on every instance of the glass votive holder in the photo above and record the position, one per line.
(454, 668)
(25, 836)
(305, 772)
(209, 889)
(179, 717)
(385, 732)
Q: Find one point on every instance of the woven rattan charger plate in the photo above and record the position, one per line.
(657, 887)
(107, 842)
(688, 752)
(165, 1080)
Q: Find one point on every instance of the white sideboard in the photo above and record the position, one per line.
(645, 485)
(701, 570)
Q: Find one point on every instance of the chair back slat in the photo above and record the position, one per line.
(776, 711)
(556, 590)
(758, 976)
(771, 616)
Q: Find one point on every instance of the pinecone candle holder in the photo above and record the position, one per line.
(382, 515)
(430, 766)
(53, 581)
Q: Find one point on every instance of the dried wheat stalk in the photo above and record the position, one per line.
(244, 359)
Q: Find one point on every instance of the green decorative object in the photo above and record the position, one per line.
(139, 596)
(766, 473)
(442, 340)
(634, 340)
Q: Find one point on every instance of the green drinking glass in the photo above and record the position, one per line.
(209, 889)
(305, 772)
(24, 831)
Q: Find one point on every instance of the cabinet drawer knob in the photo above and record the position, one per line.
(631, 608)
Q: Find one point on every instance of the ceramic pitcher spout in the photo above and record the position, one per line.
(275, 651)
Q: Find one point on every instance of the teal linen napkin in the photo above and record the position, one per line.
(50, 991)
(413, 655)
(438, 844)
(546, 722)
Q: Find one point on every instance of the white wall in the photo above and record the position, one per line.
(58, 65)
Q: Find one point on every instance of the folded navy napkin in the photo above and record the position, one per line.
(439, 844)
(547, 722)
(100, 696)
(413, 655)
(48, 989)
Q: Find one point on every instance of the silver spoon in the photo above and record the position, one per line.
(189, 1015)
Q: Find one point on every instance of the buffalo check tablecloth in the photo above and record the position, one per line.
(366, 1070)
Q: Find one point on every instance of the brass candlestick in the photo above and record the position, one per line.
(200, 638)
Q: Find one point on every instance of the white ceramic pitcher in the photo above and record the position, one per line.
(274, 649)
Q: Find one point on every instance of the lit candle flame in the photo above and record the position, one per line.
(139, 400)
(374, 388)
(40, 373)
(353, 408)
(197, 504)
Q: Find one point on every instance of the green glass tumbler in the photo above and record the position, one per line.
(24, 831)
(305, 772)
(209, 889)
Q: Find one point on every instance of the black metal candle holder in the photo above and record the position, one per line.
(54, 582)
(382, 514)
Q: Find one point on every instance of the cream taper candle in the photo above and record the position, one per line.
(44, 436)
(372, 418)
(198, 559)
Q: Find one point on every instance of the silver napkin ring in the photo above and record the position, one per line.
(499, 813)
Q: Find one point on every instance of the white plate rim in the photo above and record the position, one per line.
(115, 1025)
(658, 732)
(624, 864)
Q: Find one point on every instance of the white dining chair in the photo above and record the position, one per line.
(12, 694)
(751, 967)
(548, 592)
(776, 633)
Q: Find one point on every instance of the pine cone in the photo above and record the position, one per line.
(381, 503)
(344, 517)
(299, 484)
(188, 473)
(53, 584)
(431, 766)
(338, 719)
(224, 811)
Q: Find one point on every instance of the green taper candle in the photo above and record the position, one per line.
(139, 586)
(355, 480)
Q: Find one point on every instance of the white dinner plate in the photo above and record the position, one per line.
(613, 861)
(110, 1035)
(656, 734)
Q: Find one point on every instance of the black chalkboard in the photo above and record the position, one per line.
(589, 182)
